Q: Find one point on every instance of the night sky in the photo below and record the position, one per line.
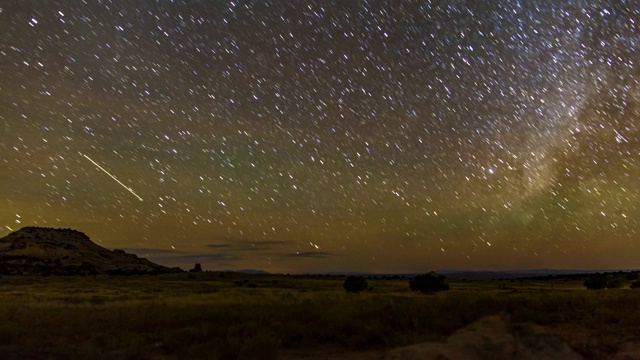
(304, 136)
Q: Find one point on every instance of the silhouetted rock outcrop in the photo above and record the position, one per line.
(48, 251)
(196, 268)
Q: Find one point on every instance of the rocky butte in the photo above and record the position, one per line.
(48, 251)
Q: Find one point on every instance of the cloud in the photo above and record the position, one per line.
(309, 254)
(225, 257)
(247, 244)
(184, 259)
(219, 246)
(229, 253)
(149, 251)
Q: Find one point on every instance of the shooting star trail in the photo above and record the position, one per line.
(113, 177)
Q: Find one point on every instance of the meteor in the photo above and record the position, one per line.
(113, 177)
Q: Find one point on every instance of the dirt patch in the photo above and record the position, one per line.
(490, 338)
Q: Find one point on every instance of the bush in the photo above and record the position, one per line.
(429, 283)
(632, 276)
(614, 283)
(596, 282)
(355, 284)
(635, 284)
(599, 282)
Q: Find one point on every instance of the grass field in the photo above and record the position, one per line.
(230, 315)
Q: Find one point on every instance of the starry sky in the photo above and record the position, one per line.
(318, 136)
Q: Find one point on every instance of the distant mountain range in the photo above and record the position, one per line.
(48, 251)
(515, 274)
(472, 275)
(246, 271)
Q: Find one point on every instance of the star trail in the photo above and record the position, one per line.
(299, 136)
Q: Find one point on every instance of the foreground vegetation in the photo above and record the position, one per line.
(228, 315)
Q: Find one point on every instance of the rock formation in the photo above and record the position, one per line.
(196, 268)
(48, 251)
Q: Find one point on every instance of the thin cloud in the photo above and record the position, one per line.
(310, 254)
(148, 251)
(178, 256)
(218, 246)
(248, 244)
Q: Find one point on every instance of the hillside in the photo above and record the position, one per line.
(48, 251)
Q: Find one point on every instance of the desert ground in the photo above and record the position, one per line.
(226, 315)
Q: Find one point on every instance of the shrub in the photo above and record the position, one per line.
(599, 282)
(614, 283)
(632, 276)
(355, 284)
(635, 284)
(596, 282)
(429, 283)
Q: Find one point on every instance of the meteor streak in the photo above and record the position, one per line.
(113, 177)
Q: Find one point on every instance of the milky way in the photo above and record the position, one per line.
(302, 136)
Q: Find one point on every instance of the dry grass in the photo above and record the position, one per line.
(257, 316)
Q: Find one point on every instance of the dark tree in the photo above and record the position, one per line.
(429, 283)
(632, 276)
(614, 283)
(355, 284)
(596, 282)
